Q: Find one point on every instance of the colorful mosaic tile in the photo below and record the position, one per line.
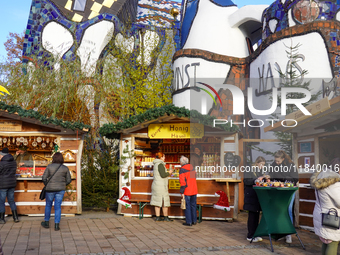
(44, 11)
(304, 11)
(156, 13)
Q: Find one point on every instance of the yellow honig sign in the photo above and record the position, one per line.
(174, 184)
(175, 131)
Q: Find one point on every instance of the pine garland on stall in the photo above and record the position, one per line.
(111, 130)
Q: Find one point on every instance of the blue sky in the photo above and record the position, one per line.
(15, 15)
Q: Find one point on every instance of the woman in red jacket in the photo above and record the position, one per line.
(187, 179)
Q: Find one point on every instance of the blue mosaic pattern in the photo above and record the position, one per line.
(157, 13)
(337, 66)
(279, 11)
(188, 19)
(327, 10)
(44, 11)
(223, 3)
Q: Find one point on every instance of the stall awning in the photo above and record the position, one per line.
(325, 113)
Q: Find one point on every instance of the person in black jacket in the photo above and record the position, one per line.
(283, 169)
(251, 202)
(8, 181)
(55, 188)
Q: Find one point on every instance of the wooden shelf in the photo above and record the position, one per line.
(176, 152)
(164, 162)
(40, 150)
(206, 142)
(147, 163)
(34, 150)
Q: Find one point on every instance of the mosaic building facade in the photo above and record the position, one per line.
(247, 47)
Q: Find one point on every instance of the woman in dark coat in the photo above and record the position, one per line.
(8, 181)
(251, 202)
(55, 188)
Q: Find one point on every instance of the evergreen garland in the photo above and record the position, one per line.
(112, 130)
(15, 109)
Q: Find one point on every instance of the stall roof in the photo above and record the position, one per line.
(169, 113)
(34, 117)
(326, 115)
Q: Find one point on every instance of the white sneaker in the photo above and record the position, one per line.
(255, 240)
(289, 239)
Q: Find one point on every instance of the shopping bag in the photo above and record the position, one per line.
(43, 194)
(183, 203)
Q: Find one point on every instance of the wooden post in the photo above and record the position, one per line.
(316, 152)
(78, 181)
(33, 168)
(297, 196)
(119, 208)
(222, 156)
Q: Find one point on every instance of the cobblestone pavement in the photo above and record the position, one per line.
(107, 233)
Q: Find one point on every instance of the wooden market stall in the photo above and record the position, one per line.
(175, 136)
(315, 143)
(41, 135)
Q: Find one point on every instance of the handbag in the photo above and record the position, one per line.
(330, 219)
(43, 191)
(183, 207)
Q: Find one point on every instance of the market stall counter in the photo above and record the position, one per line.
(27, 193)
(175, 136)
(32, 138)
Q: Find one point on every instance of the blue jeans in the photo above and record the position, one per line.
(9, 193)
(290, 208)
(58, 198)
(190, 211)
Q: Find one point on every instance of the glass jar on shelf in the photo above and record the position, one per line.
(204, 159)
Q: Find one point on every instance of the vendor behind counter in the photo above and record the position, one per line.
(23, 157)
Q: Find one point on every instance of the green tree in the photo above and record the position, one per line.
(126, 82)
(292, 77)
(100, 173)
(135, 74)
(14, 47)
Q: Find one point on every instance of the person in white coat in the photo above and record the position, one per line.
(327, 188)
(159, 190)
